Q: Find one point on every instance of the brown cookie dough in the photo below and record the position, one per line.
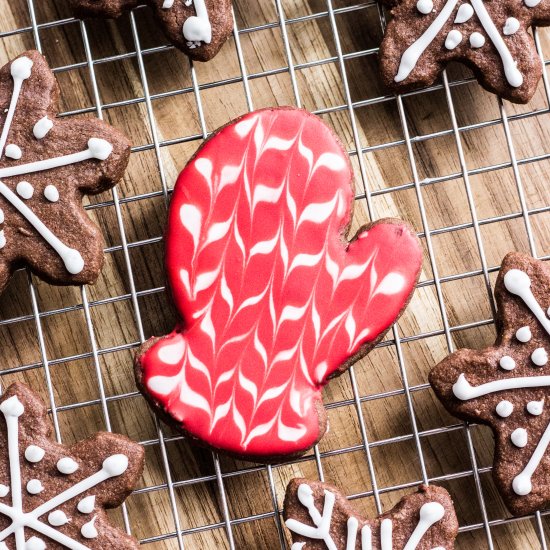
(506, 386)
(53, 496)
(490, 37)
(320, 517)
(198, 28)
(47, 165)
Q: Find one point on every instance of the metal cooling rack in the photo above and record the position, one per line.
(228, 524)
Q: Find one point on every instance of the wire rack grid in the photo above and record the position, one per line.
(483, 527)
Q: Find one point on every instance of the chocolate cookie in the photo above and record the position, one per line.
(274, 300)
(490, 37)
(53, 496)
(47, 165)
(198, 28)
(321, 518)
(506, 386)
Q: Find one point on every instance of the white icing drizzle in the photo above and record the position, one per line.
(507, 363)
(504, 409)
(113, 466)
(34, 454)
(295, 546)
(535, 407)
(539, 357)
(4, 490)
(425, 6)
(71, 258)
(51, 193)
(2, 239)
(67, 466)
(522, 482)
(25, 190)
(197, 29)
(34, 486)
(89, 530)
(167, 4)
(86, 505)
(42, 128)
(519, 437)
(57, 518)
(463, 390)
(430, 514)
(13, 151)
(511, 26)
(465, 12)
(523, 334)
(454, 38)
(416, 49)
(20, 71)
(531, 3)
(518, 282)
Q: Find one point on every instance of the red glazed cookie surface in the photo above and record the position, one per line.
(273, 299)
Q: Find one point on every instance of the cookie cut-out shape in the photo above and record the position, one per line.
(42, 508)
(49, 231)
(320, 518)
(274, 301)
(494, 42)
(199, 28)
(473, 385)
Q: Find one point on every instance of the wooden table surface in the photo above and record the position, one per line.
(466, 170)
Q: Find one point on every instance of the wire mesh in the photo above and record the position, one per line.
(129, 299)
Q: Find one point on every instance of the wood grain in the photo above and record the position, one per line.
(117, 326)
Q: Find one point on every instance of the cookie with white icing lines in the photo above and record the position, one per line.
(507, 386)
(53, 496)
(490, 37)
(320, 517)
(199, 28)
(47, 165)
(274, 300)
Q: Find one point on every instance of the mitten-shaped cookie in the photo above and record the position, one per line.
(47, 165)
(507, 385)
(274, 300)
(53, 496)
(491, 37)
(321, 518)
(199, 28)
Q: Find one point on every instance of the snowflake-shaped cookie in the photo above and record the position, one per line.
(321, 518)
(47, 165)
(197, 27)
(52, 496)
(507, 385)
(488, 35)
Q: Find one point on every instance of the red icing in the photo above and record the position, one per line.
(272, 298)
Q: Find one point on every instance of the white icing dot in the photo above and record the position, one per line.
(21, 68)
(507, 363)
(42, 127)
(477, 40)
(13, 151)
(523, 334)
(511, 26)
(86, 505)
(167, 4)
(454, 38)
(12, 407)
(504, 409)
(51, 193)
(115, 465)
(34, 486)
(539, 357)
(425, 6)
(464, 13)
(67, 466)
(34, 454)
(25, 189)
(99, 148)
(4, 490)
(88, 530)
(519, 437)
(535, 407)
(34, 543)
(531, 3)
(2, 217)
(57, 518)
(2, 239)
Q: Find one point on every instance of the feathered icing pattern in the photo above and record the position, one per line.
(272, 298)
